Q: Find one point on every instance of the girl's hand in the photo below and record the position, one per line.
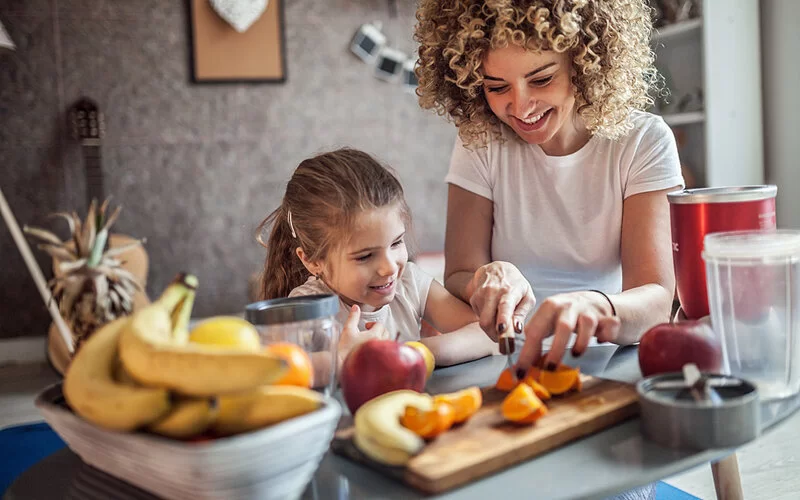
(501, 298)
(351, 336)
(588, 314)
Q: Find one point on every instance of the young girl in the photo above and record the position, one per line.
(342, 228)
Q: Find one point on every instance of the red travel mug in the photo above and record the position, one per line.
(697, 212)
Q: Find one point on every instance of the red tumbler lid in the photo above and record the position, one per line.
(723, 194)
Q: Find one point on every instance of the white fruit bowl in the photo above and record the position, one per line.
(275, 462)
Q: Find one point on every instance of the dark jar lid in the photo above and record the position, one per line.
(292, 309)
(730, 194)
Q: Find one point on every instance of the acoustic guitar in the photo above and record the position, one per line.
(87, 126)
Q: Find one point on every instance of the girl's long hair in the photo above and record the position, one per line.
(324, 195)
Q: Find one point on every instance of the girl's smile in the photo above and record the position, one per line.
(365, 270)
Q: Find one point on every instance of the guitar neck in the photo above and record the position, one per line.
(95, 189)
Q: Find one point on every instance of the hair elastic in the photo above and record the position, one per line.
(613, 309)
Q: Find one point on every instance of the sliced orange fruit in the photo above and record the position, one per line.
(464, 402)
(538, 389)
(521, 405)
(418, 421)
(533, 417)
(429, 424)
(560, 380)
(505, 382)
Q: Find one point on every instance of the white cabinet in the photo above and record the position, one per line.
(713, 69)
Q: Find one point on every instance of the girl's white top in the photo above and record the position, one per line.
(402, 315)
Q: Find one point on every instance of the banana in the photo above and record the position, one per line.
(94, 394)
(120, 375)
(263, 406)
(188, 418)
(378, 432)
(155, 351)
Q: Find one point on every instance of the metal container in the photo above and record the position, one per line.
(671, 416)
(308, 321)
(697, 212)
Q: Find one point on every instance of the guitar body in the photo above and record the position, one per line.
(87, 126)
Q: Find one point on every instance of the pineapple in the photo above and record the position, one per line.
(91, 286)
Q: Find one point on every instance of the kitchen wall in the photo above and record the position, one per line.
(195, 167)
(780, 41)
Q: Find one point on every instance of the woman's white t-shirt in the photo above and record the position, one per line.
(402, 314)
(559, 218)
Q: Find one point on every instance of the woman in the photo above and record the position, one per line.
(557, 216)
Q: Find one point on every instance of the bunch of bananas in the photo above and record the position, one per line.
(142, 372)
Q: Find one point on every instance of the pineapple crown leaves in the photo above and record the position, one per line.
(90, 286)
(87, 242)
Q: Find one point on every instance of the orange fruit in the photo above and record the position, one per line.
(560, 380)
(538, 389)
(505, 382)
(464, 402)
(429, 424)
(300, 371)
(521, 405)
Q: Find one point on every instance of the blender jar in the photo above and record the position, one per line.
(753, 283)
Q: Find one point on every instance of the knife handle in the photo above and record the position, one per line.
(506, 342)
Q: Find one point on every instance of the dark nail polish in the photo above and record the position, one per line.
(576, 354)
(501, 327)
(551, 367)
(520, 374)
(518, 327)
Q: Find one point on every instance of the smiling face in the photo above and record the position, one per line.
(532, 93)
(366, 269)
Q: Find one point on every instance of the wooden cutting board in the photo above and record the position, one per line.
(486, 443)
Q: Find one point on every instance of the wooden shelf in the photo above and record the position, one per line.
(677, 29)
(688, 118)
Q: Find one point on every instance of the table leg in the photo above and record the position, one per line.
(727, 481)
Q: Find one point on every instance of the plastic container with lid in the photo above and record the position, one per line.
(307, 321)
(753, 281)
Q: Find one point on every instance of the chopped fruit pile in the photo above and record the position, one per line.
(524, 403)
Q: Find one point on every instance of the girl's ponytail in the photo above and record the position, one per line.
(283, 270)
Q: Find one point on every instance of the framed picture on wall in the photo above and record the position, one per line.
(219, 53)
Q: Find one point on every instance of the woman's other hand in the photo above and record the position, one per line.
(588, 314)
(501, 298)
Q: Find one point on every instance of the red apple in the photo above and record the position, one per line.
(376, 367)
(667, 347)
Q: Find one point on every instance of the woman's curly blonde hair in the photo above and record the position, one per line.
(608, 41)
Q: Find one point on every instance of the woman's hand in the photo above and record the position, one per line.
(588, 314)
(351, 336)
(501, 297)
